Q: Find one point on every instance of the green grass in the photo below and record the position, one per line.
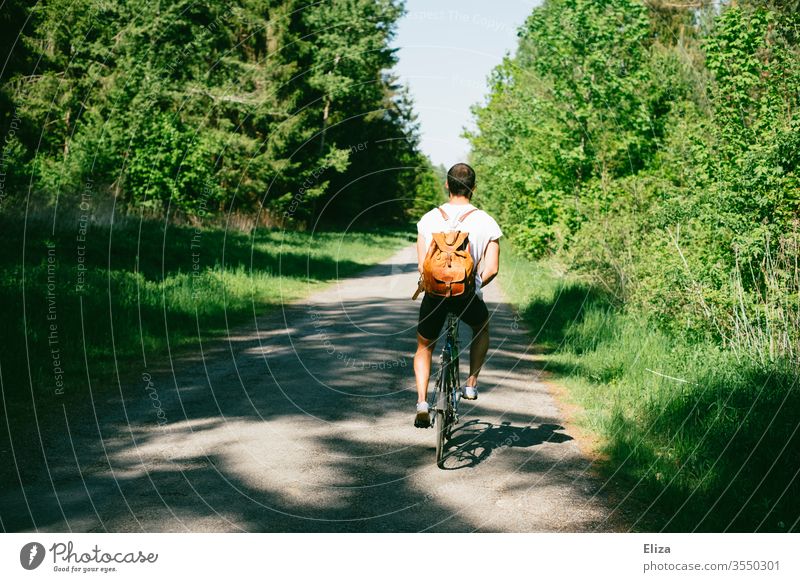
(146, 287)
(702, 440)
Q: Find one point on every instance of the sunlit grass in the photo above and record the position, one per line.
(146, 291)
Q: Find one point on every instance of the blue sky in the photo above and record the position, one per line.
(446, 50)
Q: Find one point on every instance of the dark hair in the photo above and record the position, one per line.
(461, 180)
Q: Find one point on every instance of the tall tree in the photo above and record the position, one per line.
(257, 105)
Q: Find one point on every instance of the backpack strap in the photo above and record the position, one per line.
(449, 242)
(463, 216)
(460, 220)
(420, 289)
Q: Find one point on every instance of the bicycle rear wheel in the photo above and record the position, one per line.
(445, 417)
(441, 425)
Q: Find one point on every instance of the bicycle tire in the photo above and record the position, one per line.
(445, 418)
(441, 436)
(444, 399)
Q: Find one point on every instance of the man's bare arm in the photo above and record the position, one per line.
(491, 262)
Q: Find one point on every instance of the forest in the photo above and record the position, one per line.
(280, 110)
(647, 153)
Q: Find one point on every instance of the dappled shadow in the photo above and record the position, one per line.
(389, 270)
(126, 476)
(549, 320)
(300, 421)
(474, 441)
(739, 477)
(717, 453)
(179, 248)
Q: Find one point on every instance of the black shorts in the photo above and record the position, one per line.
(434, 310)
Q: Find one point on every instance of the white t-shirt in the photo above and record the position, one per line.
(481, 227)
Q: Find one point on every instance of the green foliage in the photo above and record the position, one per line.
(427, 191)
(146, 287)
(652, 149)
(566, 115)
(652, 154)
(699, 438)
(165, 166)
(215, 106)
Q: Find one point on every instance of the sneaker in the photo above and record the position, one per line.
(423, 418)
(469, 392)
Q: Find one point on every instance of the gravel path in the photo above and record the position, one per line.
(303, 422)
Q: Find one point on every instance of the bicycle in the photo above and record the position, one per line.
(447, 393)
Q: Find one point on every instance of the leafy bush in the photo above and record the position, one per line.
(658, 165)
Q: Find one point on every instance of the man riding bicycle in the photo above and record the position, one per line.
(484, 247)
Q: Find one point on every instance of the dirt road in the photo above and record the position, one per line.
(303, 422)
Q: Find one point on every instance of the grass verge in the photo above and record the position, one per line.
(82, 302)
(700, 440)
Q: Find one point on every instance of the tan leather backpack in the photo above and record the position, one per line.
(448, 269)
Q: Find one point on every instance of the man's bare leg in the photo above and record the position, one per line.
(422, 366)
(478, 348)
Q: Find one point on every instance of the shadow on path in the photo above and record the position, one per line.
(474, 441)
(302, 421)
